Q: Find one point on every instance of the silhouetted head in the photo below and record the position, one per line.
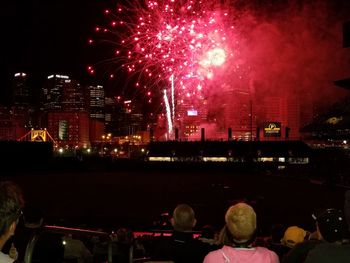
(331, 224)
(183, 218)
(293, 235)
(11, 203)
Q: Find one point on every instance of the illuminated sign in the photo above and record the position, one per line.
(192, 113)
(20, 74)
(334, 120)
(63, 130)
(58, 76)
(272, 129)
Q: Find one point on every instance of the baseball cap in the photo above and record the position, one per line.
(293, 235)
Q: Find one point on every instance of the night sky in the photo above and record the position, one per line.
(42, 37)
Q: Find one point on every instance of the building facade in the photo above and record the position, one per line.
(69, 129)
(66, 111)
(96, 106)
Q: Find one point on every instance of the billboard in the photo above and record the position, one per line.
(272, 129)
(63, 130)
(192, 113)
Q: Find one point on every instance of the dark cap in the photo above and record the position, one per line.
(332, 224)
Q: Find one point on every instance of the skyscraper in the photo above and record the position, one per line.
(97, 102)
(284, 109)
(22, 107)
(21, 91)
(69, 129)
(53, 90)
(62, 93)
(67, 116)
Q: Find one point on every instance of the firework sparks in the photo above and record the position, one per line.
(174, 43)
(208, 54)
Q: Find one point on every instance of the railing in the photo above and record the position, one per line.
(65, 230)
(28, 257)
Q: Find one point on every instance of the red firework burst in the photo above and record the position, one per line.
(187, 40)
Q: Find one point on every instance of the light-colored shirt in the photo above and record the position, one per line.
(4, 258)
(241, 255)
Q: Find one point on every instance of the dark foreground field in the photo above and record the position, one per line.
(112, 195)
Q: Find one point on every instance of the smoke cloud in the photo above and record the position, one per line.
(295, 48)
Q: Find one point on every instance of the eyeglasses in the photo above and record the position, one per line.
(19, 214)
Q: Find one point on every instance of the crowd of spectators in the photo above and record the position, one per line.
(237, 241)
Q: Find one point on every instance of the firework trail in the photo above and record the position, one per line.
(172, 97)
(170, 43)
(168, 113)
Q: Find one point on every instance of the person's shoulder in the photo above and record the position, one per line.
(325, 246)
(162, 240)
(207, 247)
(318, 253)
(213, 255)
(308, 244)
(266, 251)
(329, 251)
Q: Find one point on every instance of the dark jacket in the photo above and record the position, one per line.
(181, 247)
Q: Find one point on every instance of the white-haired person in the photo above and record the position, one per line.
(238, 238)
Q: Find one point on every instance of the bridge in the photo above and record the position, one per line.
(37, 136)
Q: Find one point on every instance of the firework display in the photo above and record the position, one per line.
(178, 46)
(220, 64)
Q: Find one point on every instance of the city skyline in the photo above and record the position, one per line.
(51, 38)
(43, 38)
